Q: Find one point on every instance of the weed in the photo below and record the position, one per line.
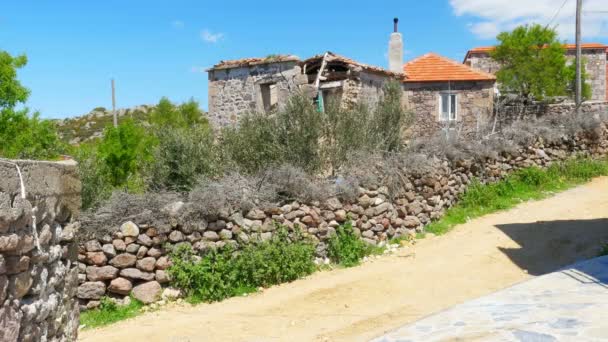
(346, 248)
(526, 184)
(109, 312)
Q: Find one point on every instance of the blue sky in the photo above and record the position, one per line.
(161, 48)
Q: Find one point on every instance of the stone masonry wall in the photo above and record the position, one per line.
(38, 269)
(509, 114)
(474, 106)
(134, 259)
(234, 92)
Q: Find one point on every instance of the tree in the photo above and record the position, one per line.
(22, 135)
(533, 63)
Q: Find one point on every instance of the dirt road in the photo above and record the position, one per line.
(357, 304)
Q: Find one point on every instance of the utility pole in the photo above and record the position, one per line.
(114, 105)
(579, 83)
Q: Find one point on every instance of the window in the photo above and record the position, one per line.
(447, 107)
(270, 97)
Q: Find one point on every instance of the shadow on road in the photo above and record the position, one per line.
(547, 246)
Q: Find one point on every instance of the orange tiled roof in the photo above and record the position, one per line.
(432, 67)
(483, 49)
(237, 63)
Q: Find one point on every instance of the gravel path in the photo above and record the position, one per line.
(357, 304)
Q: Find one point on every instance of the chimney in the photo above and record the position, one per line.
(395, 49)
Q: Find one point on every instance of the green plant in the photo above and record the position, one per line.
(109, 312)
(533, 63)
(22, 135)
(124, 152)
(346, 248)
(225, 273)
(525, 184)
(93, 176)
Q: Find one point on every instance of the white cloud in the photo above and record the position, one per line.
(178, 24)
(211, 37)
(199, 69)
(493, 16)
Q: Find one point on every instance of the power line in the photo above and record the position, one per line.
(556, 13)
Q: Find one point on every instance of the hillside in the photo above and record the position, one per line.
(91, 125)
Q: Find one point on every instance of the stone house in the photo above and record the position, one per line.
(595, 56)
(445, 94)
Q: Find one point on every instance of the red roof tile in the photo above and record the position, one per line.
(432, 67)
(584, 46)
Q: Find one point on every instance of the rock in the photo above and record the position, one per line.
(382, 208)
(146, 264)
(147, 292)
(256, 214)
(109, 250)
(141, 252)
(92, 246)
(155, 252)
(9, 243)
(225, 234)
(162, 276)
(69, 232)
(145, 240)
(333, 204)
(133, 248)
(129, 229)
(173, 209)
(176, 236)
(210, 236)
(10, 323)
(2, 265)
(16, 265)
(95, 273)
(163, 263)
(119, 245)
(91, 290)
(411, 222)
(123, 260)
(96, 258)
(120, 286)
(134, 273)
(340, 215)
(3, 287)
(171, 293)
(296, 213)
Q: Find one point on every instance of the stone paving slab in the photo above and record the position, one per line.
(566, 305)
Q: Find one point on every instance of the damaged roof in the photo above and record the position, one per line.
(432, 67)
(245, 62)
(333, 57)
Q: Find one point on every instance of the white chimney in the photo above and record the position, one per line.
(395, 50)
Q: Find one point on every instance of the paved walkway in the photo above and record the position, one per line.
(567, 305)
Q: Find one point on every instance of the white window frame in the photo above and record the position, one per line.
(449, 94)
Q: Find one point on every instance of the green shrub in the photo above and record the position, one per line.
(225, 273)
(93, 176)
(109, 312)
(124, 152)
(346, 248)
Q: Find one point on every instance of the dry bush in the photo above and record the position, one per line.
(146, 208)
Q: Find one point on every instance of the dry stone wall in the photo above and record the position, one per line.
(38, 268)
(134, 258)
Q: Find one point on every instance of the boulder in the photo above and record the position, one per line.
(147, 292)
(91, 290)
(129, 229)
(95, 273)
(123, 260)
(109, 250)
(119, 245)
(146, 264)
(162, 276)
(120, 286)
(92, 246)
(163, 263)
(96, 258)
(256, 214)
(176, 236)
(134, 273)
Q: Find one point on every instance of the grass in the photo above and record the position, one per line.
(531, 183)
(108, 312)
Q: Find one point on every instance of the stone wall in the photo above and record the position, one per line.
(38, 269)
(236, 91)
(134, 259)
(509, 114)
(595, 66)
(474, 106)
